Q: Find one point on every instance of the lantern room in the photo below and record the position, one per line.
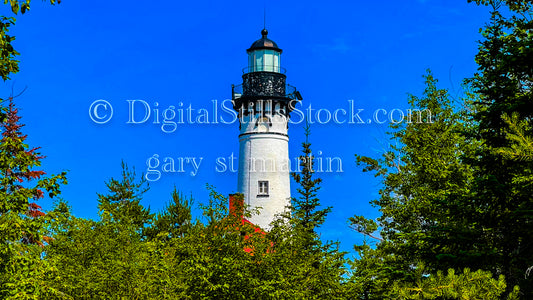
(264, 56)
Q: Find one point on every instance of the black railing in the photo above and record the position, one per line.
(275, 69)
(290, 91)
(237, 92)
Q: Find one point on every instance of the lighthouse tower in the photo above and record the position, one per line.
(263, 102)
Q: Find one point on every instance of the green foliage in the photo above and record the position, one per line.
(519, 6)
(175, 220)
(519, 136)
(122, 204)
(300, 264)
(8, 62)
(425, 201)
(457, 193)
(503, 191)
(23, 275)
(105, 259)
(305, 212)
(98, 260)
(223, 257)
(469, 285)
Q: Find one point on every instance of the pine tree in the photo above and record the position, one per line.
(175, 220)
(122, 204)
(110, 258)
(300, 265)
(424, 202)
(305, 207)
(503, 195)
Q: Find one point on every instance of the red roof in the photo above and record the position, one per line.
(236, 208)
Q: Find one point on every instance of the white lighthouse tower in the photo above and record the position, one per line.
(263, 102)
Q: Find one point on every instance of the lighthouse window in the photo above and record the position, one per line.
(258, 60)
(263, 188)
(269, 60)
(268, 107)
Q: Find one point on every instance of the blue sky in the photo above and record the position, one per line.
(173, 52)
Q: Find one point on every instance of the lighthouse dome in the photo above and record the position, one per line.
(264, 43)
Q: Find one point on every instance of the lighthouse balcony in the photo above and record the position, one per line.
(264, 68)
(263, 91)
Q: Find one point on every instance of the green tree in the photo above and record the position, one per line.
(122, 204)
(308, 268)
(8, 55)
(108, 258)
(305, 210)
(23, 274)
(424, 202)
(502, 190)
(100, 260)
(519, 137)
(469, 285)
(175, 220)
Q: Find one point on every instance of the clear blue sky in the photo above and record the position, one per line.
(171, 52)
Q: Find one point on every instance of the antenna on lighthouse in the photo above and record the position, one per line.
(264, 15)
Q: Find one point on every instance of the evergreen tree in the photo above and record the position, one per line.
(122, 204)
(520, 139)
(108, 258)
(175, 219)
(424, 201)
(477, 285)
(305, 207)
(503, 191)
(300, 265)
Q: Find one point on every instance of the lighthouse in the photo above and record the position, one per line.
(263, 103)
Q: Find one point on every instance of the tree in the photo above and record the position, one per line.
(175, 220)
(300, 265)
(108, 258)
(519, 137)
(8, 62)
(305, 212)
(502, 192)
(122, 204)
(22, 272)
(99, 260)
(477, 285)
(424, 202)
